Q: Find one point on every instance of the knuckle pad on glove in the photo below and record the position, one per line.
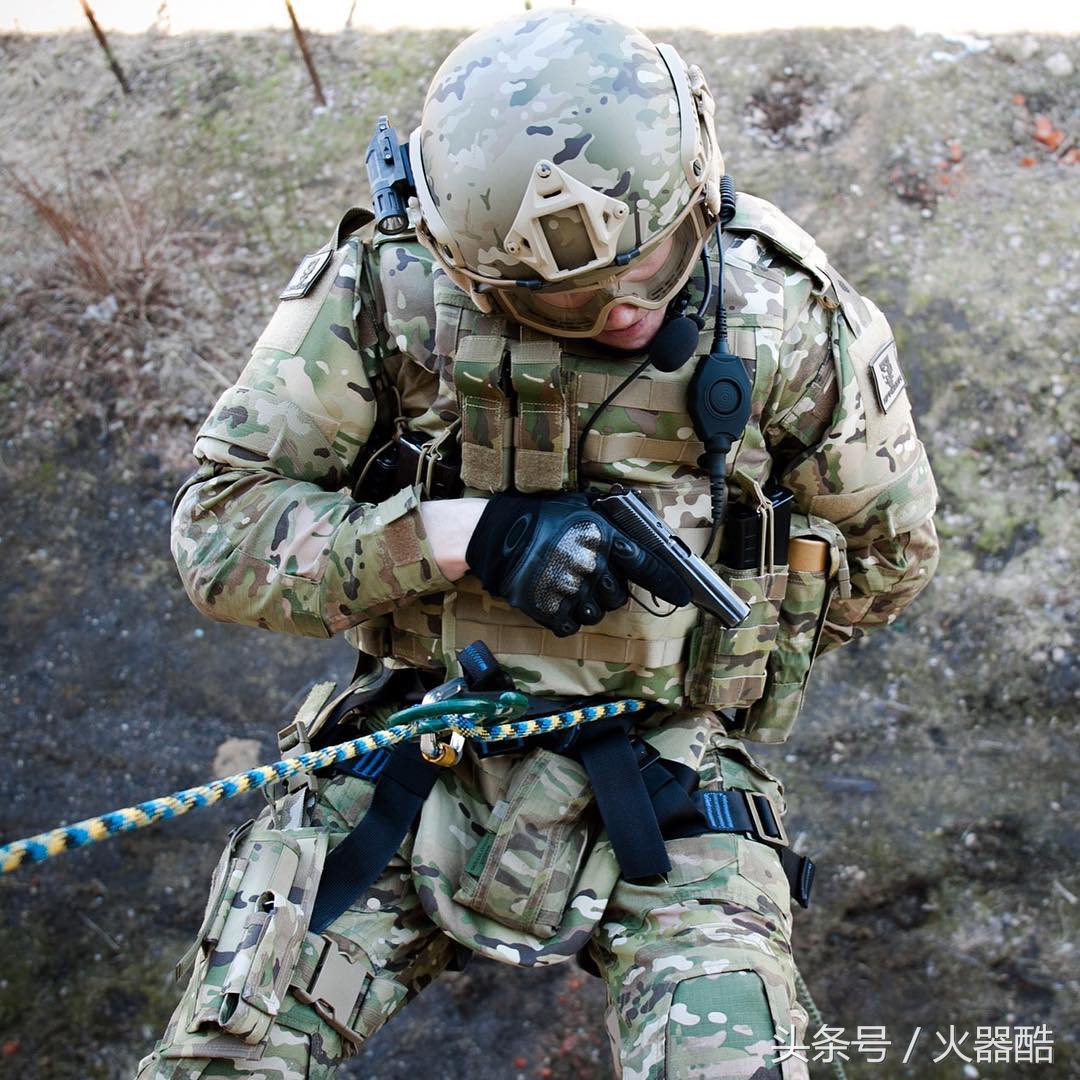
(611, 593)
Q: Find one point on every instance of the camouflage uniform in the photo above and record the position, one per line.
(509, 858)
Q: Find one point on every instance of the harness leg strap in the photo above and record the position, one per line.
(623, 800)
(751, 813)
(356, 863)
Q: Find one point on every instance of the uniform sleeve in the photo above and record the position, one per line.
(262, 533)
(843, 436)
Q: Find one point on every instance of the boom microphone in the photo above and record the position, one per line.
(676, 342)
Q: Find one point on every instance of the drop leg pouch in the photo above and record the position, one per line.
(254, 930)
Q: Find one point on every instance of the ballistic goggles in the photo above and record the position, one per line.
(579, 306)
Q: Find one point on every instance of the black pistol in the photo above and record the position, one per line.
(629, 513)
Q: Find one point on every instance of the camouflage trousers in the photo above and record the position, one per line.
(509, 860)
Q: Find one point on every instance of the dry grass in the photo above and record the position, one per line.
(99, 327)
(118, 249)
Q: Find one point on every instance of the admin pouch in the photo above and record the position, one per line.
(523, 870)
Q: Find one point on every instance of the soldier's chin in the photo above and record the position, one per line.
(631, 339)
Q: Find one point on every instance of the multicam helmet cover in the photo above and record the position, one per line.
(555, 150)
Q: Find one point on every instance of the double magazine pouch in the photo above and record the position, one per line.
(515, 411)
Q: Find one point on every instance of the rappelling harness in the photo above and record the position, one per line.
(643, 799)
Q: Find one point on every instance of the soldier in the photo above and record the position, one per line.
(544, 334)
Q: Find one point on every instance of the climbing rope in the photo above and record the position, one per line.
(814, 1014)
(466, 716)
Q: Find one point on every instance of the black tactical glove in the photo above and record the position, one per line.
(553, 558)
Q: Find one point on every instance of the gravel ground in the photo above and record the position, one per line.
(932, 774)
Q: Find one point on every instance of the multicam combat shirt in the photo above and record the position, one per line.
(267, 533)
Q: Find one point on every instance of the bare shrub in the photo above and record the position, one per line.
(100, 320)
(117, 253)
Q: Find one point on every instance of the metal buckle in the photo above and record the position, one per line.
(336, 988)
(754, 810)
(445, 690)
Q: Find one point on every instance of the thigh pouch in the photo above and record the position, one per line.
(254, 948)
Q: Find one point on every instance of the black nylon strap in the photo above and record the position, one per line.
(799, 870)
(669, 784)
(623, 800)
(728, 811)
(356, 863)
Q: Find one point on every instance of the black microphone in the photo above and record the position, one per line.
(675, 343)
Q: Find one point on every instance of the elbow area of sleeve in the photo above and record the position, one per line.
(228, 585)
(379, 558)
(885, 579)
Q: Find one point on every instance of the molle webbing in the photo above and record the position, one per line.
(510, 633)
(661, 429)
(644, 393)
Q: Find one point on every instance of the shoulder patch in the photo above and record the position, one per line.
(307, 273)
(888, 378)
(311, 266)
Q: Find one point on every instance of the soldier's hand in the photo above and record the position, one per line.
(553, 558)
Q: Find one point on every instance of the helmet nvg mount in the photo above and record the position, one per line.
(556, 150)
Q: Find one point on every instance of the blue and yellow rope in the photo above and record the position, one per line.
(416, 721)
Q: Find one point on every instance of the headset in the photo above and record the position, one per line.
(718, 397)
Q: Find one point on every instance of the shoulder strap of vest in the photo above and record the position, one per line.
(353, 220)
(407, 274)
(754, 215)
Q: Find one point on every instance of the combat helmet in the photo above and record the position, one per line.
(556, 150)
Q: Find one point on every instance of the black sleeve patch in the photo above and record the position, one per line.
(888, 378)
(307, 273)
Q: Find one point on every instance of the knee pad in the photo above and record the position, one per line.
(727, 1025)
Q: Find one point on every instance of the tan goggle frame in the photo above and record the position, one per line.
(542, 310)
